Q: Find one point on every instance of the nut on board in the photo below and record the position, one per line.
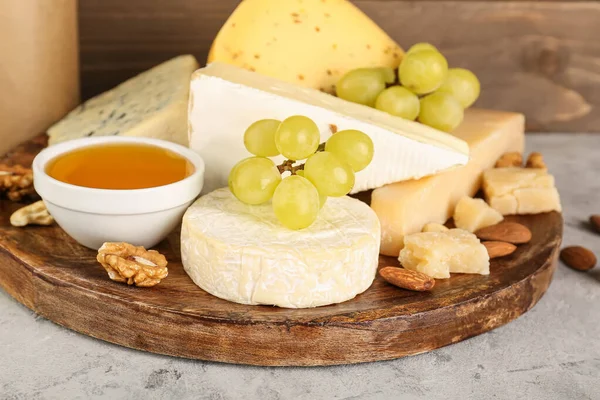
(16, 181)
(133, 265)
(33, 214)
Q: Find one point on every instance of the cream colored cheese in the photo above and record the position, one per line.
(243, 254)
(226, 100)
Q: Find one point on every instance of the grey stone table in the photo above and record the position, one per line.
(552, 352)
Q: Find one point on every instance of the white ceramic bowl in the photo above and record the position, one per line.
(141, 217)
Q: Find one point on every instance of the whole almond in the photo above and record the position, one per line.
(511, 232)
(512, 159)
(497, 249)
(578, 258)
(595, 222)
(535, 160)
(407, 279)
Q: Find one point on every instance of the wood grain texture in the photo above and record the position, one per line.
(47, 271)
(538, 58)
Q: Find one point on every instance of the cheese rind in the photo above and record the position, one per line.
(402, 149)
(310, 43)
(438, 254)
(242, 253)
(521, 190)
(405, 207)
(473, 214)
(151, 104)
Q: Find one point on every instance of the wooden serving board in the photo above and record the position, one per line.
(48, 272)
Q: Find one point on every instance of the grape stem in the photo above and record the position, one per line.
(288, 165)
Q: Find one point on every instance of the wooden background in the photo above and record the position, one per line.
(541, 58)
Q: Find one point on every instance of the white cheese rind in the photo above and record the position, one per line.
(225, 100)
(241, 253)
(151, 104)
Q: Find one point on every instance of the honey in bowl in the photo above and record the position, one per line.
(120, 166)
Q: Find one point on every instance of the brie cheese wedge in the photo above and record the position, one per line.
(243, 254)
(225, 100)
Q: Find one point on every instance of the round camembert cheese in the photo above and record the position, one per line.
(242, 253)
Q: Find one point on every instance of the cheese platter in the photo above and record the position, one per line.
(48, 272)
(244, 214)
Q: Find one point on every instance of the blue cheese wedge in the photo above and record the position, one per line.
(152, 104)
(225, 100)
(243, 254)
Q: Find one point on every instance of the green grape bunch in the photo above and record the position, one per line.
(423, 88)
(329, 169)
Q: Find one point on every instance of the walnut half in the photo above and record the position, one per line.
(33, 214)
(16, 181)
(133, 265)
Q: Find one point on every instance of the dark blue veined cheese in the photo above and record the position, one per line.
(151, 104)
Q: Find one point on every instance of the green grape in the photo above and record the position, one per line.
(398, 101)
(296, 202)
(421, 46)
(361, 86)
(253, 180)
(463, 85)
(259, 138)
(322, 197)
(388, 74)
(353, 147)
(297, 137)
(332, 176)
(322, 200)
(441, 111)
(423, 71)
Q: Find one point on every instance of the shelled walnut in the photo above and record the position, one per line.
(16, 181)
(133, 265)
(33, 214)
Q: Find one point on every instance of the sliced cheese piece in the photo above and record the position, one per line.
(226, 100)
(473, 214)
(242, 253)
(152, 104)
(405, 207)
(438, 254)
(521, 190)
(310, 43)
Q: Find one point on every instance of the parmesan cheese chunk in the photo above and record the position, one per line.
(521, 190)
(437, 254)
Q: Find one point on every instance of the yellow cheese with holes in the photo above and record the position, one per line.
(406, 207)
(310, 42)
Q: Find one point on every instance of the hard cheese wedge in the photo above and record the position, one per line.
(152, 104)
(310, 42)
(243, 254)
(226, 100)
(405, 207)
